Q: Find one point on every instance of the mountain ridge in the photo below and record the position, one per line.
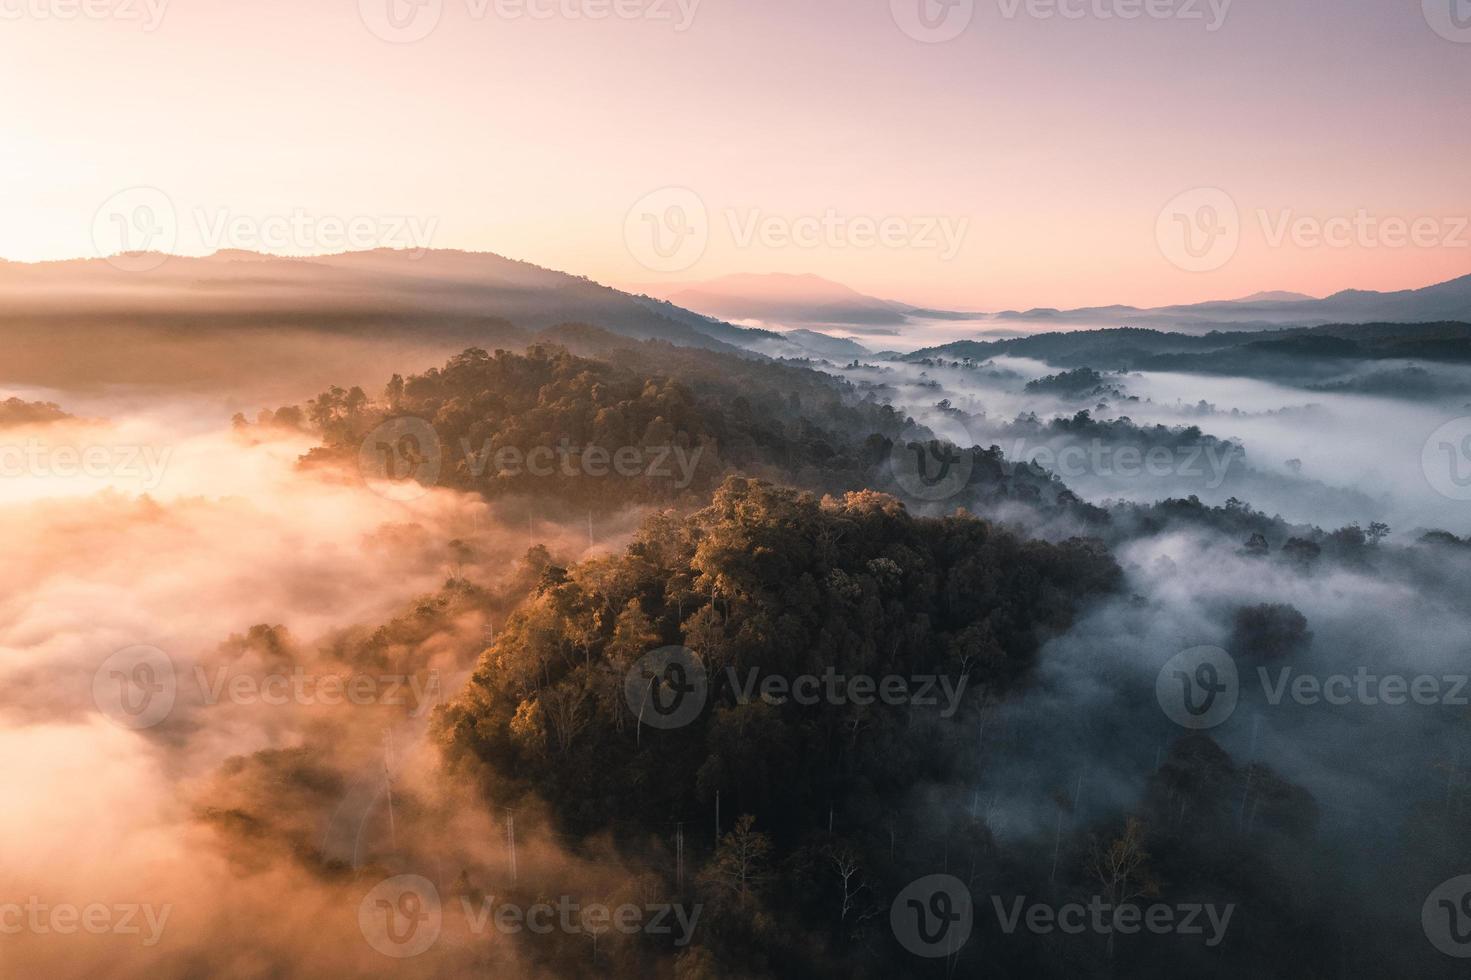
(1442, 301)
(445, 283)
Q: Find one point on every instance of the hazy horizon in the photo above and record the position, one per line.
(662, 287)
(1050, 140)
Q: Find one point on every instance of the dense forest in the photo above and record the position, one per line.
(684, 419)
(768, 582)
(788, 695)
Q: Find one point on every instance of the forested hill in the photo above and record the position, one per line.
(699, 416)
(1245, 353)
(768, 582)
(652, 712)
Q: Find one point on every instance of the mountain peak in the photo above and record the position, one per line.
(787, 298)
(1274, 296)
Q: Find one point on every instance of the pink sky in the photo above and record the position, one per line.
(1054, 143)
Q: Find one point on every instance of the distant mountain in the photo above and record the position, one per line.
(1274, 296)
(1335, 357)
(385, 285)
(800, 343)
(1083, 314)
(788, 299)
(116, 325)
(1441, 302)
(382, 283)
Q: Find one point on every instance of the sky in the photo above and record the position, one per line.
(1049, 153)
